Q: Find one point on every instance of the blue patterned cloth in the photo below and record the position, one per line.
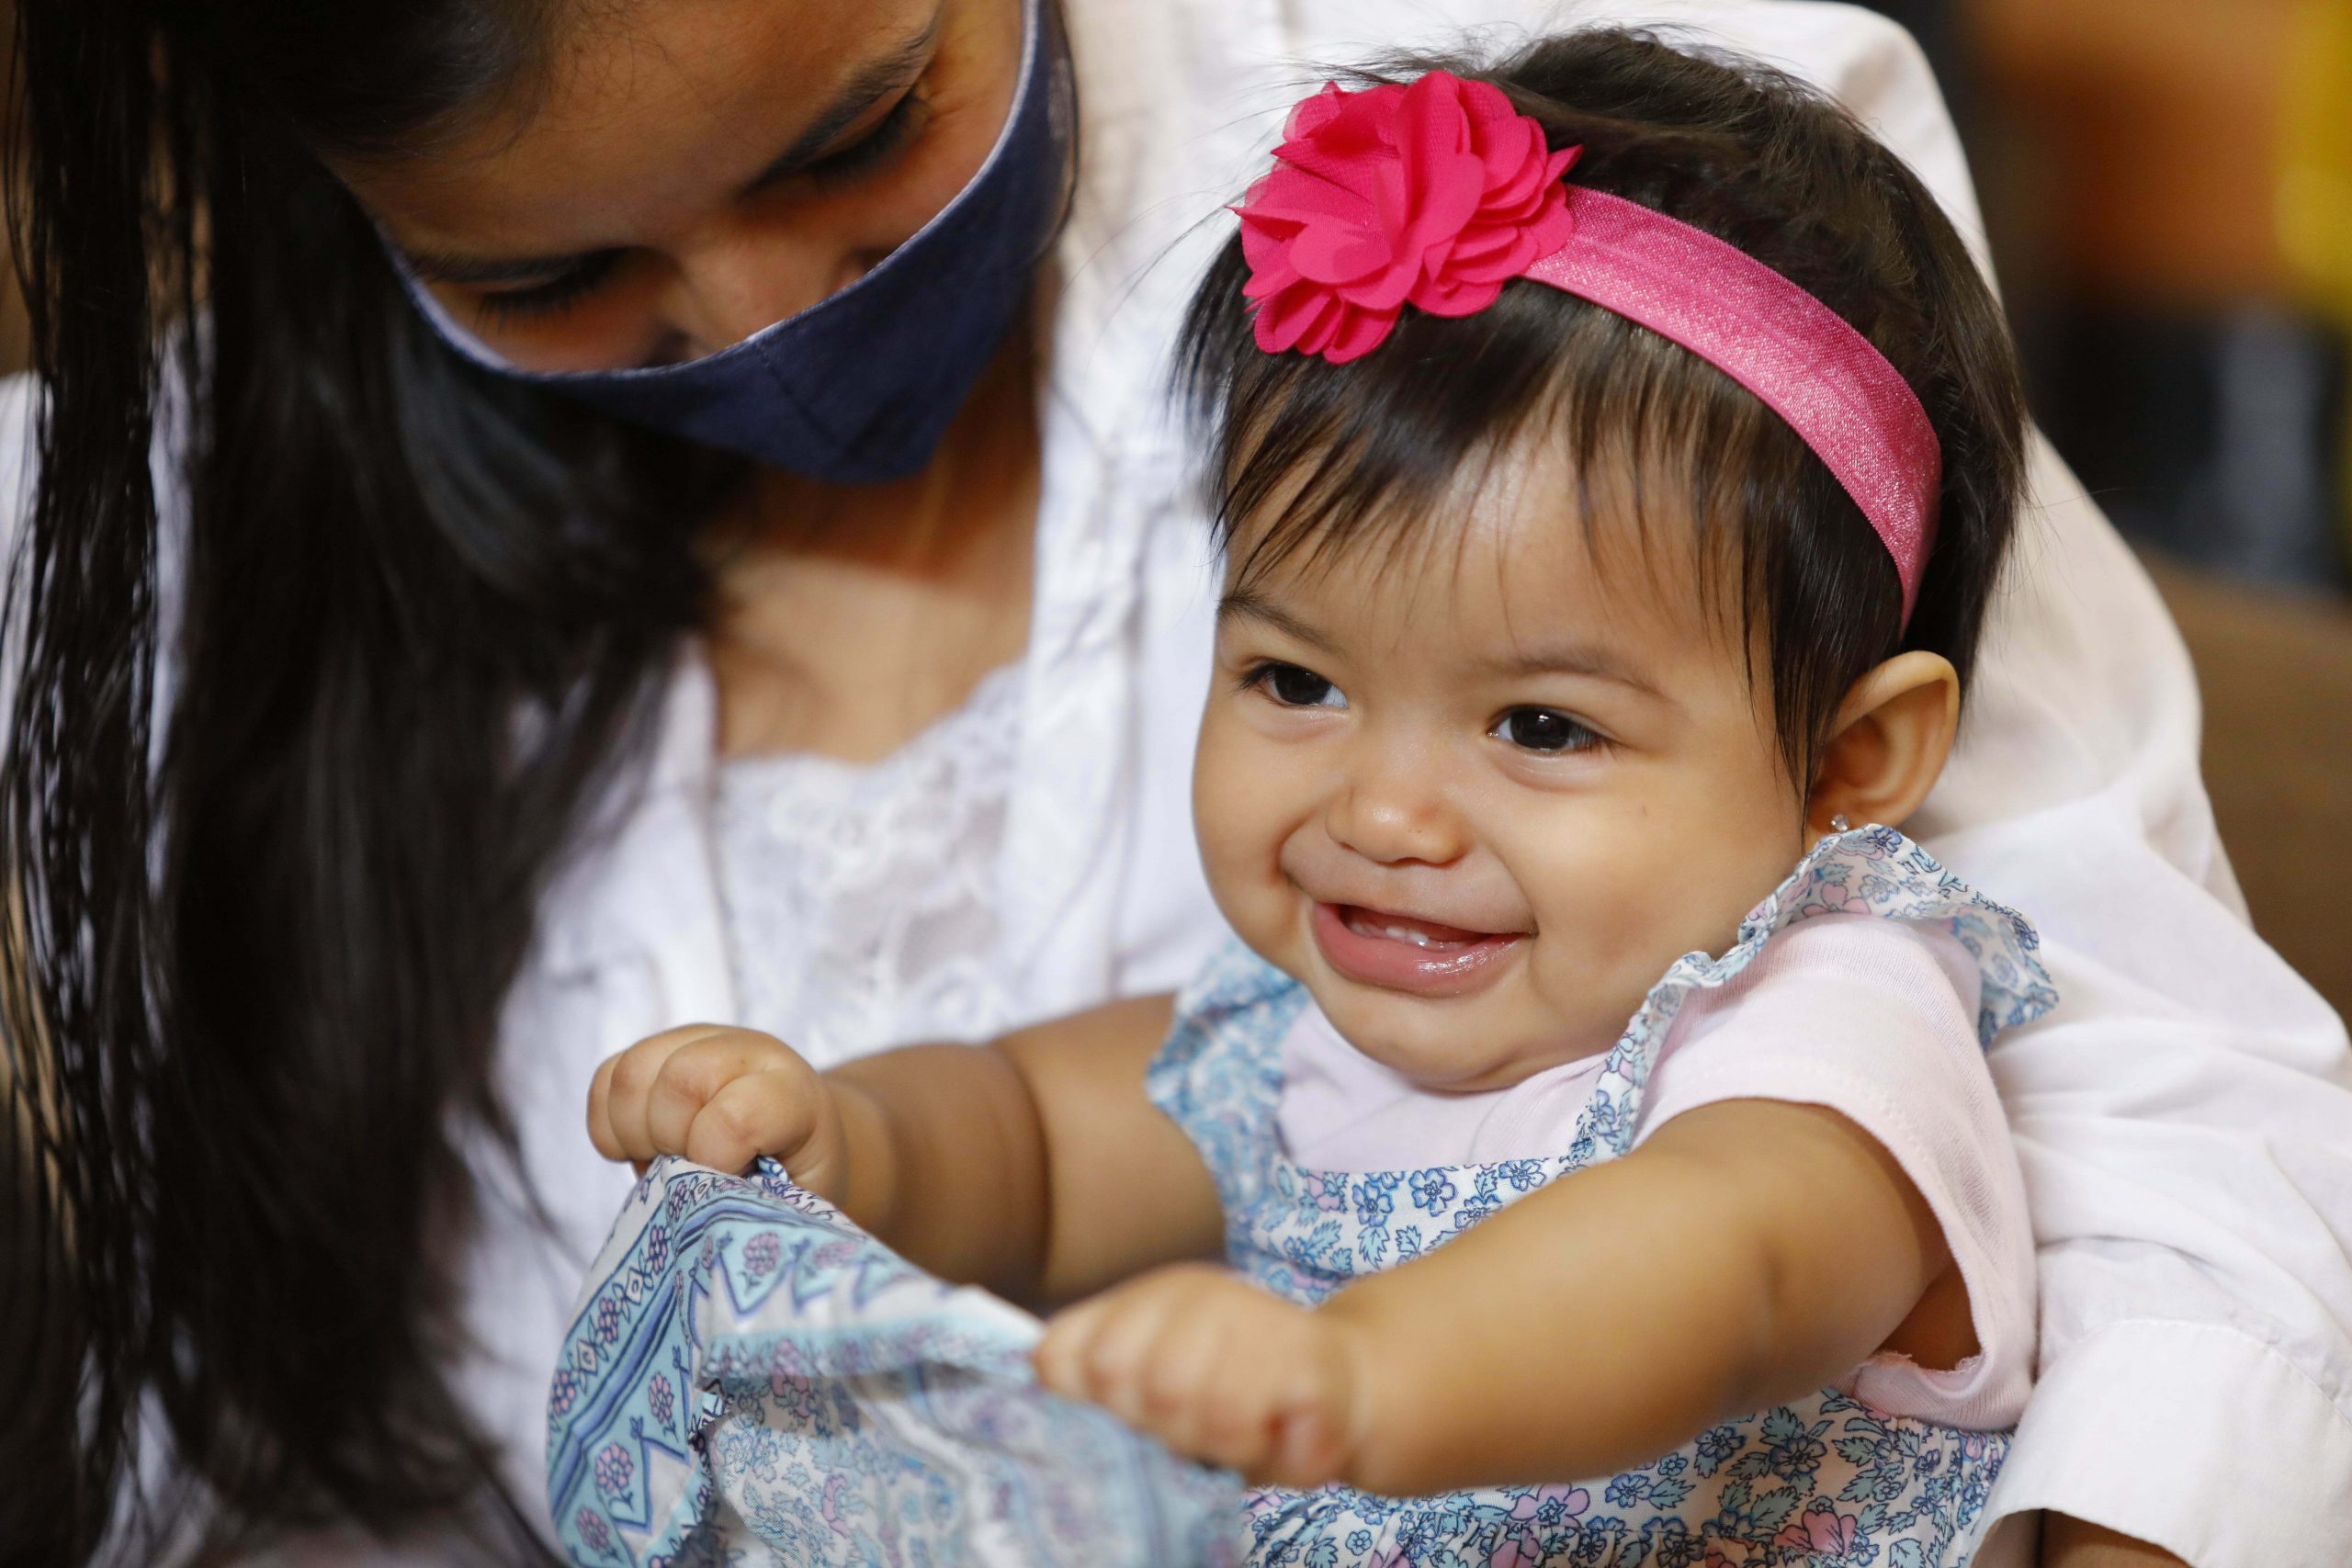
(1824, 1480)
(752, 1380)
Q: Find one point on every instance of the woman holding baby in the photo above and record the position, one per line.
(598, 518)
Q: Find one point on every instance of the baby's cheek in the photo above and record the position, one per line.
(1611, 907)
(1587, 997)
(1242, 814)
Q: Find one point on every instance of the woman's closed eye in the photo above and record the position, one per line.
(890, 136)
(536, 301)
(1545, 730)
(1294, 686)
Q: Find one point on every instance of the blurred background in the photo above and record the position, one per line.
(2167, 186)
(2168, 189)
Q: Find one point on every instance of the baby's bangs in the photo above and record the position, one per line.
(1389, 452)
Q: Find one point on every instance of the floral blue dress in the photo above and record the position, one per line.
(1824, 1480)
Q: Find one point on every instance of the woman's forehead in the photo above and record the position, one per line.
(645, 113)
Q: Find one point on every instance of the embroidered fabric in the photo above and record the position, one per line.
(859, 900)
(751, 1380)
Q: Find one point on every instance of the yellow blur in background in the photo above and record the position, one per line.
(2168, 187)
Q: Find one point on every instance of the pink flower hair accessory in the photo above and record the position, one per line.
(1436, 194)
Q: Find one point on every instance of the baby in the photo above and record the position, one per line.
(1614, 454)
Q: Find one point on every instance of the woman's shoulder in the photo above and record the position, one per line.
(19, 431)
(21, 399)
(20, 428)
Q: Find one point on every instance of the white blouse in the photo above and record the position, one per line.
(859, 902)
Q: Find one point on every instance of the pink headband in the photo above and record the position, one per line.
(1437, 193)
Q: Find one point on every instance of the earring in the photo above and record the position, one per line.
(1838, 824)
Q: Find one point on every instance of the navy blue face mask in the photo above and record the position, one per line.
(859, 387)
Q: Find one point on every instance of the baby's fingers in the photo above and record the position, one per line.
(600, 1111)
(1158, 1352)
(1215, 1369)
(691, 1077)
(1307, 1443)
(1097, 1351)
(621, 1096)
(1191, 1398)
(766, 1112)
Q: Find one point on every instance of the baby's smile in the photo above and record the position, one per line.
(1401, 952)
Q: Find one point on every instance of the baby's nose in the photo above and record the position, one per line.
(1395, 817)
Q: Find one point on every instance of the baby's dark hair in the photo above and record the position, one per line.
(1324, 453)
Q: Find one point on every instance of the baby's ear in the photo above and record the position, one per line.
(1888, 743)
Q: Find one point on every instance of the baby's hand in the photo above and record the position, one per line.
(722, 1098)
(1216, 1369)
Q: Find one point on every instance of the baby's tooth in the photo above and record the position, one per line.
(1365, 925)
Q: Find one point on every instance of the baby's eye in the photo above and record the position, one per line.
(1544, 730)
(1294, 686)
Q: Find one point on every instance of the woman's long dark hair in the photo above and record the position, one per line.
(274, 837)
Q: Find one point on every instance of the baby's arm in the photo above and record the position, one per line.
(1748, 1252)
(1033, 1165)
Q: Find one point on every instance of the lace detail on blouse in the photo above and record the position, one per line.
(861, 900)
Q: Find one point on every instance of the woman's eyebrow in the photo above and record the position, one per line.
(872, 82)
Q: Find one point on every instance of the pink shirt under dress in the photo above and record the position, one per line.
(1874, 1018)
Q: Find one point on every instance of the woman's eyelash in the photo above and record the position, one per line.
(885, 140)
(898, 128)
(506, 306)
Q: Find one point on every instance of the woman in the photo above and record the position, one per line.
(504, 704)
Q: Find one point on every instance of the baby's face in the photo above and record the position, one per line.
(1477, 794)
